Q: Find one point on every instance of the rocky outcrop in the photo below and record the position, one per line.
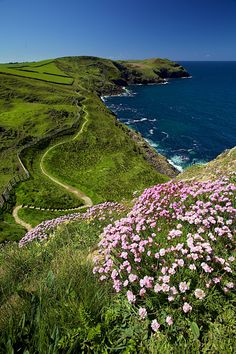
(157, 160)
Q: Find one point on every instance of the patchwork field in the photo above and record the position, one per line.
(44, 71)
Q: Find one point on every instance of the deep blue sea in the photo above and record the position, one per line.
(187, 120)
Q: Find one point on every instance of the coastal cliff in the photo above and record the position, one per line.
(108, 77)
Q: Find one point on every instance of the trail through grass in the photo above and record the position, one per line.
(79, 194)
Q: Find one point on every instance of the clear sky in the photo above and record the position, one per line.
(122, 29)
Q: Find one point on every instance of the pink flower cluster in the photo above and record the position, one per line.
(101, 212)
(175, 244)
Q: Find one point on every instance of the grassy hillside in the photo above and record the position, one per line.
(108, 76)
(167, 287)
(37, 114)
(151, 274)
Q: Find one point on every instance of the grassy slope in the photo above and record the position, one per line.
(44, 71)
(30, 110)
(109, 168)
(154, 69)
(54, 302)
(43, 108)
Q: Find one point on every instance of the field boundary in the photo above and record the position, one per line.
(35, 78)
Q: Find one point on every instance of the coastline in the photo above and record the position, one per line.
(161, 163)
(148, 146)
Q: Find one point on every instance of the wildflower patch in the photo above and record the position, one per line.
(173, 250)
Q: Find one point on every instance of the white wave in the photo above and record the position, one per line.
(152, 120)
(166, 136)
(151, 131)
(143, 119)
(177, 161)
(178, 167)
(150, 142)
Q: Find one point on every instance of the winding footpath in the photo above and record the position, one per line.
(79, 194)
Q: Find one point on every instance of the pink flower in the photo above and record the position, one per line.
(165, 288)
(169, 320)
(126, 282)
(157, 288)
(155, 325)
(183, 286)
(228, 269)
(142, 292)
(166, 279)
(230, 285)
(142, 312)
(192, 267)
(187, 307)
(130, 296)
(180, 262)
(199, 293)
(171, 298)
(162, 252)
(132, 277)
(216, 280)
(206, 267)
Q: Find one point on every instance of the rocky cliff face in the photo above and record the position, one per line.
(107, 77)
(157, 160)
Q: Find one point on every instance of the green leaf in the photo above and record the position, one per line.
(50, 278)
(195, 329)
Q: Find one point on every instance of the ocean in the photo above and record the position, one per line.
(187, 120)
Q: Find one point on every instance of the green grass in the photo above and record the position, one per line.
(35, 217)
(9, 230)
(29, 111)
(45, 71)
(104, 168)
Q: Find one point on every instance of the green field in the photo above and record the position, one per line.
(44, 71)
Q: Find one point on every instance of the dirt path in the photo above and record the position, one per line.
(18, 220)
(79, 194)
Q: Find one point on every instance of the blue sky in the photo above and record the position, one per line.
(122, 29)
